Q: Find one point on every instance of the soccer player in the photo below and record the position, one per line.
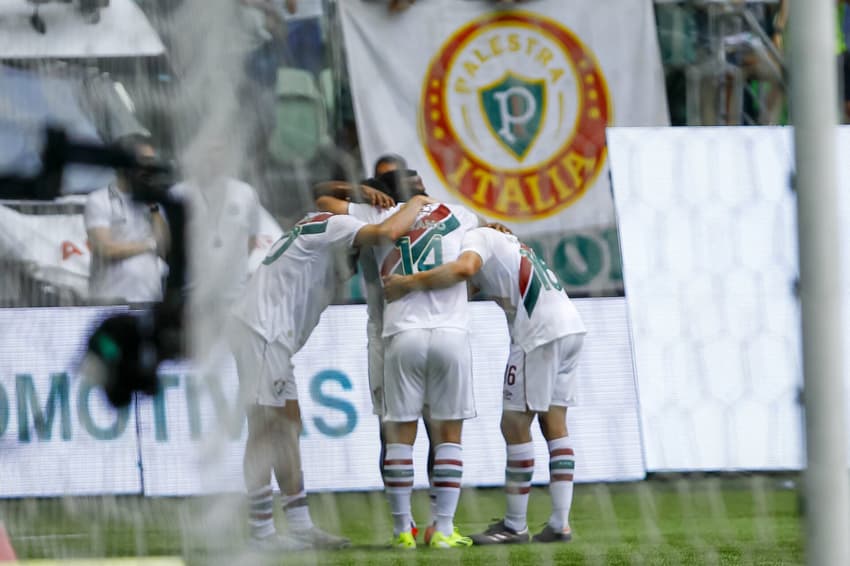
(427, 362)
(385, 165)
(547, 334)
(274, 318)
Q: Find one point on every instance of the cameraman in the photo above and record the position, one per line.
(127, 238)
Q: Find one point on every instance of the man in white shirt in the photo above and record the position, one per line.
(547, 334)
(276, 315)
(224, 219)
(427, 362)
(367, 265)
(126, 237)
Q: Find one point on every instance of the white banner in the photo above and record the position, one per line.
(58, 435)
(191, 437)
(504, 108)
(52, 246)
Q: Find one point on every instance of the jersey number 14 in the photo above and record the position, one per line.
(423, 256)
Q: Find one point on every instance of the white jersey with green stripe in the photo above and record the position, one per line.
(531, 294)
(434, 239)
(296, 281)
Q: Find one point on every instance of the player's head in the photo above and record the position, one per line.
(389, 162)
(392, 177)
(142, 148)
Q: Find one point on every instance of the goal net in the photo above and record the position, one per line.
(677, 246)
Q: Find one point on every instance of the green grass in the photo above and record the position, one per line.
(745, 520)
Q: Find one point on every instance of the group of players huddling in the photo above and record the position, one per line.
(418, 258)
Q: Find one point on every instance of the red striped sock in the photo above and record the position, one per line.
(261, 512)
(518, 472)
(398, 483)
(448, 472)
(561, 467)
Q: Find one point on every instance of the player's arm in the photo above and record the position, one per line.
(102, 245)
(447, 275)
(334, 196)
(393, 227)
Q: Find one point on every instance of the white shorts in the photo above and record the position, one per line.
(376, 374)
(430, 367)
(543, 377)
(266, 375)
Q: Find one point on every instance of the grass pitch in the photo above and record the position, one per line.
(675, 521)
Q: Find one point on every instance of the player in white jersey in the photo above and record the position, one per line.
(427, 361)
(547, 334)
(378, 192)
(279, 310)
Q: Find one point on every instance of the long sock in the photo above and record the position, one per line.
(518, 473)
(561, 467)
(297, 512)
(398, 483)
(448, 470)
(261, 512)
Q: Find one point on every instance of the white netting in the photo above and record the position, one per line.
(695, 370)
(707, 227)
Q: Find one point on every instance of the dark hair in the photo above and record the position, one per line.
(392, 159)
(396, 184)
(131, 144)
